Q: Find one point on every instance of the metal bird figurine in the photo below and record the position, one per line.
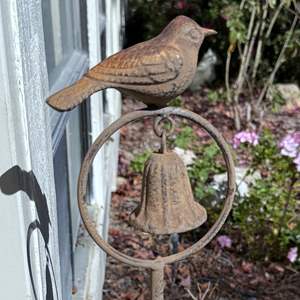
(154, 72)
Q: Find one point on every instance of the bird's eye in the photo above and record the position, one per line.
(194, 35)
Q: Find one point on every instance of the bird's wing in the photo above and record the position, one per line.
(140, 64)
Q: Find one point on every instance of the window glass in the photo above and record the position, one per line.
(59, 33)
(65, 34)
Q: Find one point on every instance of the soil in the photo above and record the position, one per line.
(214, 273)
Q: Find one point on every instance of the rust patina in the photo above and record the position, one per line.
(154, 72)
(156, 265)
(167, 203)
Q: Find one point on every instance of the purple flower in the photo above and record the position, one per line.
(289, 145)
(224, 241)
(245, 137)
(293, 254)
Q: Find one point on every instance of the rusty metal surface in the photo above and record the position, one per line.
(157, 284)
(153, 72)
(157, 263)
(164, 205)
(167, 203)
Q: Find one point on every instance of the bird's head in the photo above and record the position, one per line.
(184, 30)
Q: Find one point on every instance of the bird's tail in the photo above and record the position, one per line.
(73, 95)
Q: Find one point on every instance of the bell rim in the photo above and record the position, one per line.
(149, 229)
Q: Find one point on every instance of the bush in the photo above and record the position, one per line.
(267, 216)
(226, 18)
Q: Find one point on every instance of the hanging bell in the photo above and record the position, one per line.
(167, 203)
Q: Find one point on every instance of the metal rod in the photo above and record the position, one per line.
(105, 136)
(157, 284)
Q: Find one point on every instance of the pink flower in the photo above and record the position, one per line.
(224, 241)
(290, 144)
(245, 137)
(293, 254)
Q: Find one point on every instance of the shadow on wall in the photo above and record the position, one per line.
(15, 180)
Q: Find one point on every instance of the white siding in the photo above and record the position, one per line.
(26, 142)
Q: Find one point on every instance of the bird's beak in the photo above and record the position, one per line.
(208, 31)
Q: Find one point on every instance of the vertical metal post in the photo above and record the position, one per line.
(157, 284)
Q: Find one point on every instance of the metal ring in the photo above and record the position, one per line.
(99, 142)
(160, 132)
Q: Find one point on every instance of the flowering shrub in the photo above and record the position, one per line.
(290, 144)
(245, 137)
(268, 216)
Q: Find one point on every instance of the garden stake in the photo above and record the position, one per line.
(167, 204)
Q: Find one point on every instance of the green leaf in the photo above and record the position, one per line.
(185, 137)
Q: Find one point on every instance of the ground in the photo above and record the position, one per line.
(214, 273)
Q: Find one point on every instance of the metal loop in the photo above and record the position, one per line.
(100, 141)
(160, 130)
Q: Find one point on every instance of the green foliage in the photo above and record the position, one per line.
(215, 96)
(204, 166)
(177, 102)
(235, 23)
(231, 23)
(277, 100)
(202, 170)
(185, 137)
(267, 215)
(137, 164)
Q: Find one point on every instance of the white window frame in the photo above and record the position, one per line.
(25, 136)
(105, 164)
